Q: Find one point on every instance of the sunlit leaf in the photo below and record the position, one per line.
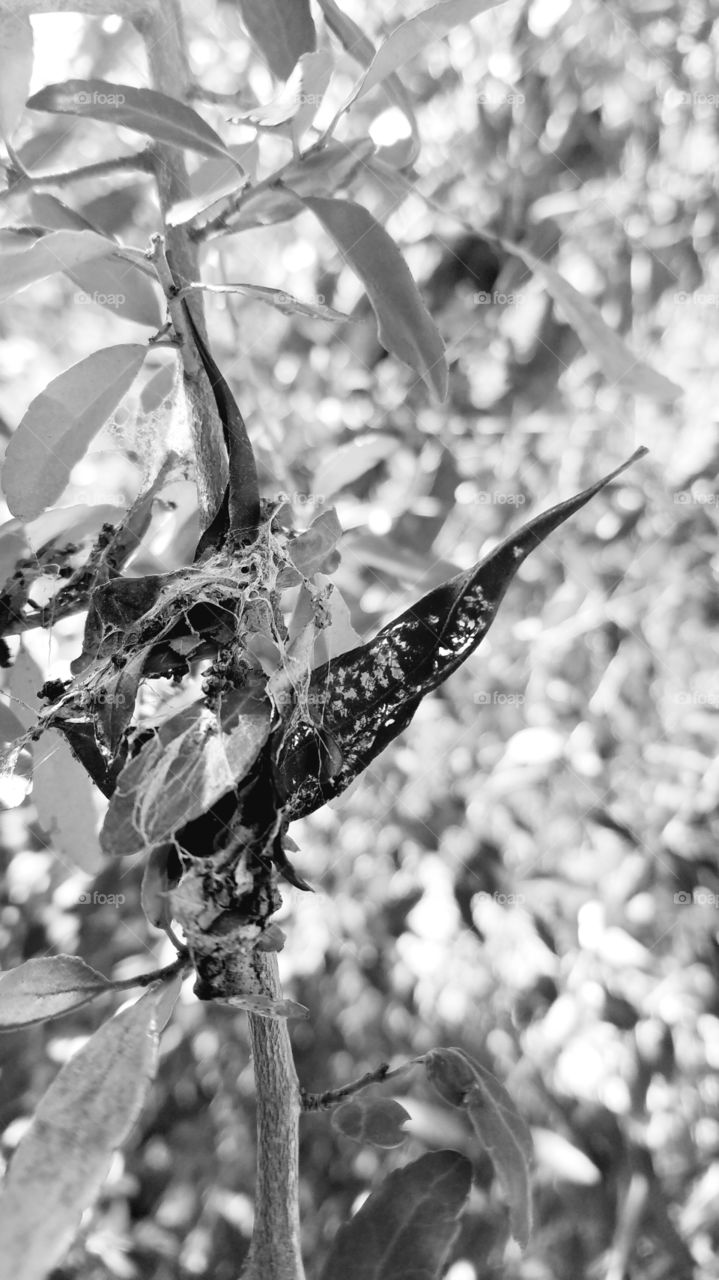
(63, 1159)
(404, 325)
(406, 1228)
(362, 700)
(281, 301)
(16, 58)
(300, 99)
(618, 363)
(144, 110)
(58, 251)
(378, 1121)
(60, 423)
(282, 31)
(413, 36)
(65, 801)
(45, 988)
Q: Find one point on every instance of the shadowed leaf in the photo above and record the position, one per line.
(281, 30)
(405, 1229)
(378, 1121)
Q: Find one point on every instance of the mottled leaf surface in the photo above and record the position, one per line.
(45, 988)
(405, 1229)
(362, 700)
(63, 1159)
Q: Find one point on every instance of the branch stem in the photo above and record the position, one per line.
(330, 1097)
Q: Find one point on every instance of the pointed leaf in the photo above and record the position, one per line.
(16, 57)
(324, 170)
(63, 1159)
(45, 988)
(406, 1228)
(300, 99)
(58, 251)
(404, 325)
(378, 1121)
(617, 362)
(281, 29)
(413, 36)
(164, 118)
(284, 302)
(64, 798)
(362, 700)
(60, 423)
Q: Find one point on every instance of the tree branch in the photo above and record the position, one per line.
(275, 1249)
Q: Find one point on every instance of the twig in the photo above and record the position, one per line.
(138, 161)
(330, 1097)
(181, 964)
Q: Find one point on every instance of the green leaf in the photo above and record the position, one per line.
(144, 110)
(413, 36)
(281, 301)
(112, 282)
(404, 325)
(64, 798)
(59, 251)
(63, 1159)
(45, 988)
(16, 58)
(463, 1082)
(193, 759)
(378, 1121)
(281, 29)
(617, 362)
(406, 1228)
(60, 424)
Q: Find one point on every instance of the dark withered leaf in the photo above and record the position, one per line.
(360, 701)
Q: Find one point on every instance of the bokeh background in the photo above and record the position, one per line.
(530, 871)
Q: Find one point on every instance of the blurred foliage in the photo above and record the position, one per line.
(530, 872)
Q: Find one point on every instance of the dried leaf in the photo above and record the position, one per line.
(60, 423)
(404, 325)
(406, 1228)
(63, 1159)
(362, 700)
(145, 110)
